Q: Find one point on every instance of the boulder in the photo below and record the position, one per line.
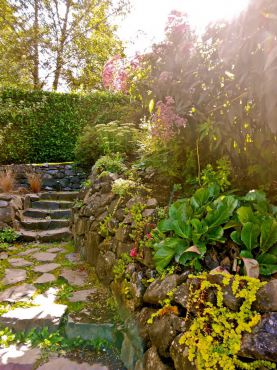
(158, 290)
(266, 298)
(179, 355)
(20, 357)
(152, 360)
(104, 267)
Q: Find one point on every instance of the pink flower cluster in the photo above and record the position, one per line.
(116, 72)
(165, 120)
(176, 23)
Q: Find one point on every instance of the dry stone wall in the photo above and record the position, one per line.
(11, 206)
(60, 176)
(102, 224)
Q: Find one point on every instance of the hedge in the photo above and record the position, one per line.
(39, 126)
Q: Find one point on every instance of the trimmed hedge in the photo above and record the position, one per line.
(39, 126)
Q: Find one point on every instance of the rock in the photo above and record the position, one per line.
(151, 203)
(123, 248)
(47, 297)
(20, 357)
(266, 298)
(20, 293)
(148, 212)
(104, 267)
(65, 364)
(131, 352)
(6, 215)
(3, 256)
(179, 355)
(47, 267)
(141, 319)
(181, 295)
(23, 319)
(73, 257)
(92, 247)
(122, 233)
(74, 277)
(55, 250)
(19, 262)
(81, 295)
(152, 361)
(28, 252)
(157, 291)
(261, 344)
(3, 204)
(14, 276)
(44, 256)
(45, 278)
(163, 330)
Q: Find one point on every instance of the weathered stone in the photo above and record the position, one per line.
(266, 298)
(82, 295)
(65, 364)
(14, 276)
(74, 277)
(47, 267)
(164, 330)
(3, 256)
(48, 297)
(55, 250)
(157, 291)
(80, 226)
(45, 278)
(19, 262)
(3, 204)
(141, 319)
(73, 257)
(20, 293)
(6, 215)
(181, 295)
(28, 252)
(123, 248)
(122, 233)
(152, 361)
(179, 355)
(44, 256)
(23, 319)
(261, 343)
(151, 203)
(91, 247)
(20, 357)
(104, 267)
(148, 212)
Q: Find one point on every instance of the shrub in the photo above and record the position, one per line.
(8, 235)
(109, 163)
(40, 126)
(35, 182)
(7, 181)
(114, 137)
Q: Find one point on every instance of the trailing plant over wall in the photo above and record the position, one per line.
(39, 126)
(215, 332)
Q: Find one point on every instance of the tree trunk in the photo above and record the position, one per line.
(59, 59)
(36, 81)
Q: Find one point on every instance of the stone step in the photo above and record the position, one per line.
(45, 236)
(59, 195)
(43, 213)
(37, 224)
(52, 204)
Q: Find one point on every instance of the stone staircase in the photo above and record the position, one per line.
(46, 217)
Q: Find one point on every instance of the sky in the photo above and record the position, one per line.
(145, 23)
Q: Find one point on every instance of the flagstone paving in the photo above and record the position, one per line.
(39, 285)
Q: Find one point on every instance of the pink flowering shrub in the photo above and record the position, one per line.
(165, 122)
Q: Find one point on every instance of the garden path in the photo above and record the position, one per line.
(54, 313)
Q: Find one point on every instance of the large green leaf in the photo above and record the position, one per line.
(200, 198)
(222, 213)
(182, 230)
(268, 264)
(216, 235)
(166, 250)
(165, 225)
(249, 235)
(255, 196)
(245, 214)
(181, 211)
(236, 237)
(268, 234)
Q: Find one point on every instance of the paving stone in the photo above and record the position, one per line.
(19, 262)
(13, 248)
(45, 278)
(3, 256)
(73, 257)
(65, 364)
(74, 277)
(20, 293)
(47, 297)
(82, 295)
(14, 276)
(47, 267)
(19, 357)
(22, 319)
(44, 256)
(28, 251)
(55, 250)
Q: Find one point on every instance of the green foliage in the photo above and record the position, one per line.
(105, 139)
(120, 266)
(219, 176)
(111, 163)
(8, 235)
(37, 126)
(123, 187)
(207, 218)
(215, 333)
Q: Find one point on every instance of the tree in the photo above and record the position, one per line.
(61, 41)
